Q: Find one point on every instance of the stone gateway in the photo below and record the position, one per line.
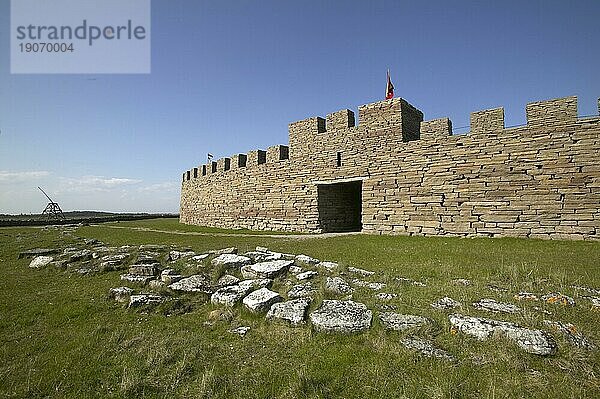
(394, 173)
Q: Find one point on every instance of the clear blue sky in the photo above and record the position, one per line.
(229, 76)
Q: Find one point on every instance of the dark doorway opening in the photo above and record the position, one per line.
(340, 206)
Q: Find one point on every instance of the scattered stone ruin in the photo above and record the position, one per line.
(300, 291)
(394, 173)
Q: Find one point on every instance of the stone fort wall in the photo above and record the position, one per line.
(394, 173)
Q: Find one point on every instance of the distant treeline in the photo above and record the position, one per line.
(78, 217)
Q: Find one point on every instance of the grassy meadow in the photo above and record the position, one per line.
(62, 337)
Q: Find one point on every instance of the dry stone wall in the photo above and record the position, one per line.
(539, 180)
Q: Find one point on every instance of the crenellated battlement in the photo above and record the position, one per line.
(391, 172)
(398, 119)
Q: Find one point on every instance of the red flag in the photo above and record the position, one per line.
(389, 91)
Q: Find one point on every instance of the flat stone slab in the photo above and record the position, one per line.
(136, 301)
(426, 348)
(226, 280)
(148, 258)
(258, 256)
(306, 260)
(329, 266)
(200, 258)
(341, 316)
(79, 256)
(293, 311)
(305, 290)
(230, 295)
(260, 301)
(195, 283)
(270, 269)
(170, 276)
(490, 305)
(400, 322)
(446, 303)
(559, 299)
(31, 253)
(176, 255)
(362, 272)
(306, 275)
(338, 285)
(231, 260)
(531, 341)
(365, 284)
(224, 251)
(150, 269)
(40, 261)
(254, 284)
(136, 278)
(120, 294)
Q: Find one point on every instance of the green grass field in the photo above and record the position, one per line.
(62, 337)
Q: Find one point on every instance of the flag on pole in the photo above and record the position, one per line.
(209, 157)
(389, 91)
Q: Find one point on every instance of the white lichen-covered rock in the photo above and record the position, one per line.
(570, 332)
(156, 285)
(426, 348)
(295, 269)
(136, 278)
(255, 284)
(329, 266)
(301, 291)
(229, 295)
(306, 275)
(386, 296)
(241, 331)
(176, 255)
(306, 260)
(270, 269)
(144, 300)
(366, 284)
(260, 301)
(170, 276)
(258, 256)
(360, 271)
(400, 322)
(226, 280)
(490, 305)
(293, 311)
(200, 258)
(40, 261)
(231, 261)
(532, 341)
(410, 281)
(342, 317)
(80, 256)
(120, 294)
(195, 283)
(338, 285)
(446, 303)
(224, 251)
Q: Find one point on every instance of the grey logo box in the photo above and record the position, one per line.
(80, 36)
